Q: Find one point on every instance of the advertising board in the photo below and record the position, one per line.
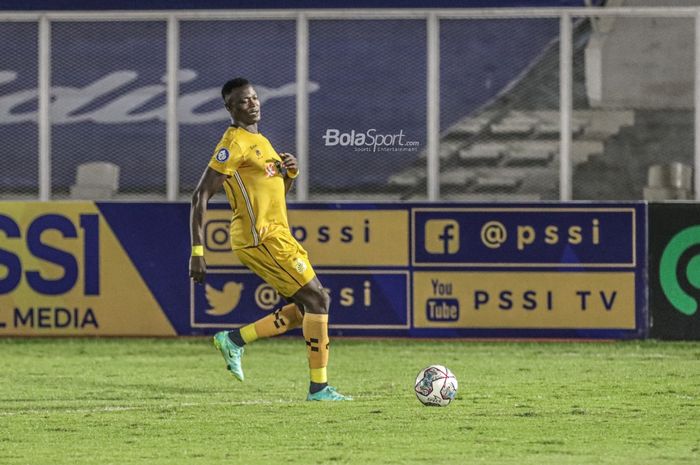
(424, 270)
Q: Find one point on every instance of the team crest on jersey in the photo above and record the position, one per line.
(273, 168)
(222, 155)
(299, 265)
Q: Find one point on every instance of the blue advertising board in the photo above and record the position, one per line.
(419, 270)
(549, 236)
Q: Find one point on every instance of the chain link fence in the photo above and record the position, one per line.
(499, 81)
(499, 94)
(633, 106)
(108, 81)
(19, 177)
(209, 57)
(368, 116)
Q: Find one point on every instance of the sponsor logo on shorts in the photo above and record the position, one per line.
(299, 265)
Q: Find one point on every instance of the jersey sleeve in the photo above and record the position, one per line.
(227, 158)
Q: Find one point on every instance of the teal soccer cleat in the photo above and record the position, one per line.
(327, 393)
(231, 352)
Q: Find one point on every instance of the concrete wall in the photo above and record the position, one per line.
(634, 62)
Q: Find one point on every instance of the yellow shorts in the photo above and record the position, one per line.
(281, 261)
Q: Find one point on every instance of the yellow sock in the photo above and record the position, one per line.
(315, 327)
(274, 324)
(319, 375)
(248, 333)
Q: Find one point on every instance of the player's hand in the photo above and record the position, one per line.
(289, 161)
(198, 269)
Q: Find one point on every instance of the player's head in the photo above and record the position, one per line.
(241, 100)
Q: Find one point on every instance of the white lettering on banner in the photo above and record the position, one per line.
(68, 101)
(363, 141)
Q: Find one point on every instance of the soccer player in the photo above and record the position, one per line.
(256, 179)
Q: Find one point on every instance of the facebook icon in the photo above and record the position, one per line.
(442, 237)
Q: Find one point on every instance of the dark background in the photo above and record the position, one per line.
(665, 221)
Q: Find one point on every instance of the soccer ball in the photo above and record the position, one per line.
(436, 385)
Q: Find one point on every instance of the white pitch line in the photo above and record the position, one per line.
(53, 411)
(117, 408)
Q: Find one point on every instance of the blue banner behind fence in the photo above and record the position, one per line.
(367, 79)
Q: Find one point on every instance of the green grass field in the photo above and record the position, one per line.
(171, 401)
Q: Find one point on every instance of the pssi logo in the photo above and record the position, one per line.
(679, 270)
(35, 238)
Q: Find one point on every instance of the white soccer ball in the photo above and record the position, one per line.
(436, 386)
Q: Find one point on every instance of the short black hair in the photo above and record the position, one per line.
(233, 84)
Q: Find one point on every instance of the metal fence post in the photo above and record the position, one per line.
(44, 114)
(172, 143)
(433, 110)
(565, 106)
(302, 106)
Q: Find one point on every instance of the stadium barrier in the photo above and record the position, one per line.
(501, 104)
(674, 270)
(415, 269)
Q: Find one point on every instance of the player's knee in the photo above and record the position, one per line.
(325, 299)
(318, 301)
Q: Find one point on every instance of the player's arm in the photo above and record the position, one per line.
(288, 183)
(290, 162)
(210, 182)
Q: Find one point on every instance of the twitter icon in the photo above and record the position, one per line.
(224, 301)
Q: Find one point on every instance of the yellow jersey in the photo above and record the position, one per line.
(254, 188)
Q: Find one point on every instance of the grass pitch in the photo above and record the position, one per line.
(171, 401)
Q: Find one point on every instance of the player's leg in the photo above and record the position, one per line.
(315, 301)
(278, 322)
(231, 343)
(261, 262)
(291, 273)
(283, 263)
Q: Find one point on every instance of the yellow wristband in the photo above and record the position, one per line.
(292, 174)
(197, 250)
